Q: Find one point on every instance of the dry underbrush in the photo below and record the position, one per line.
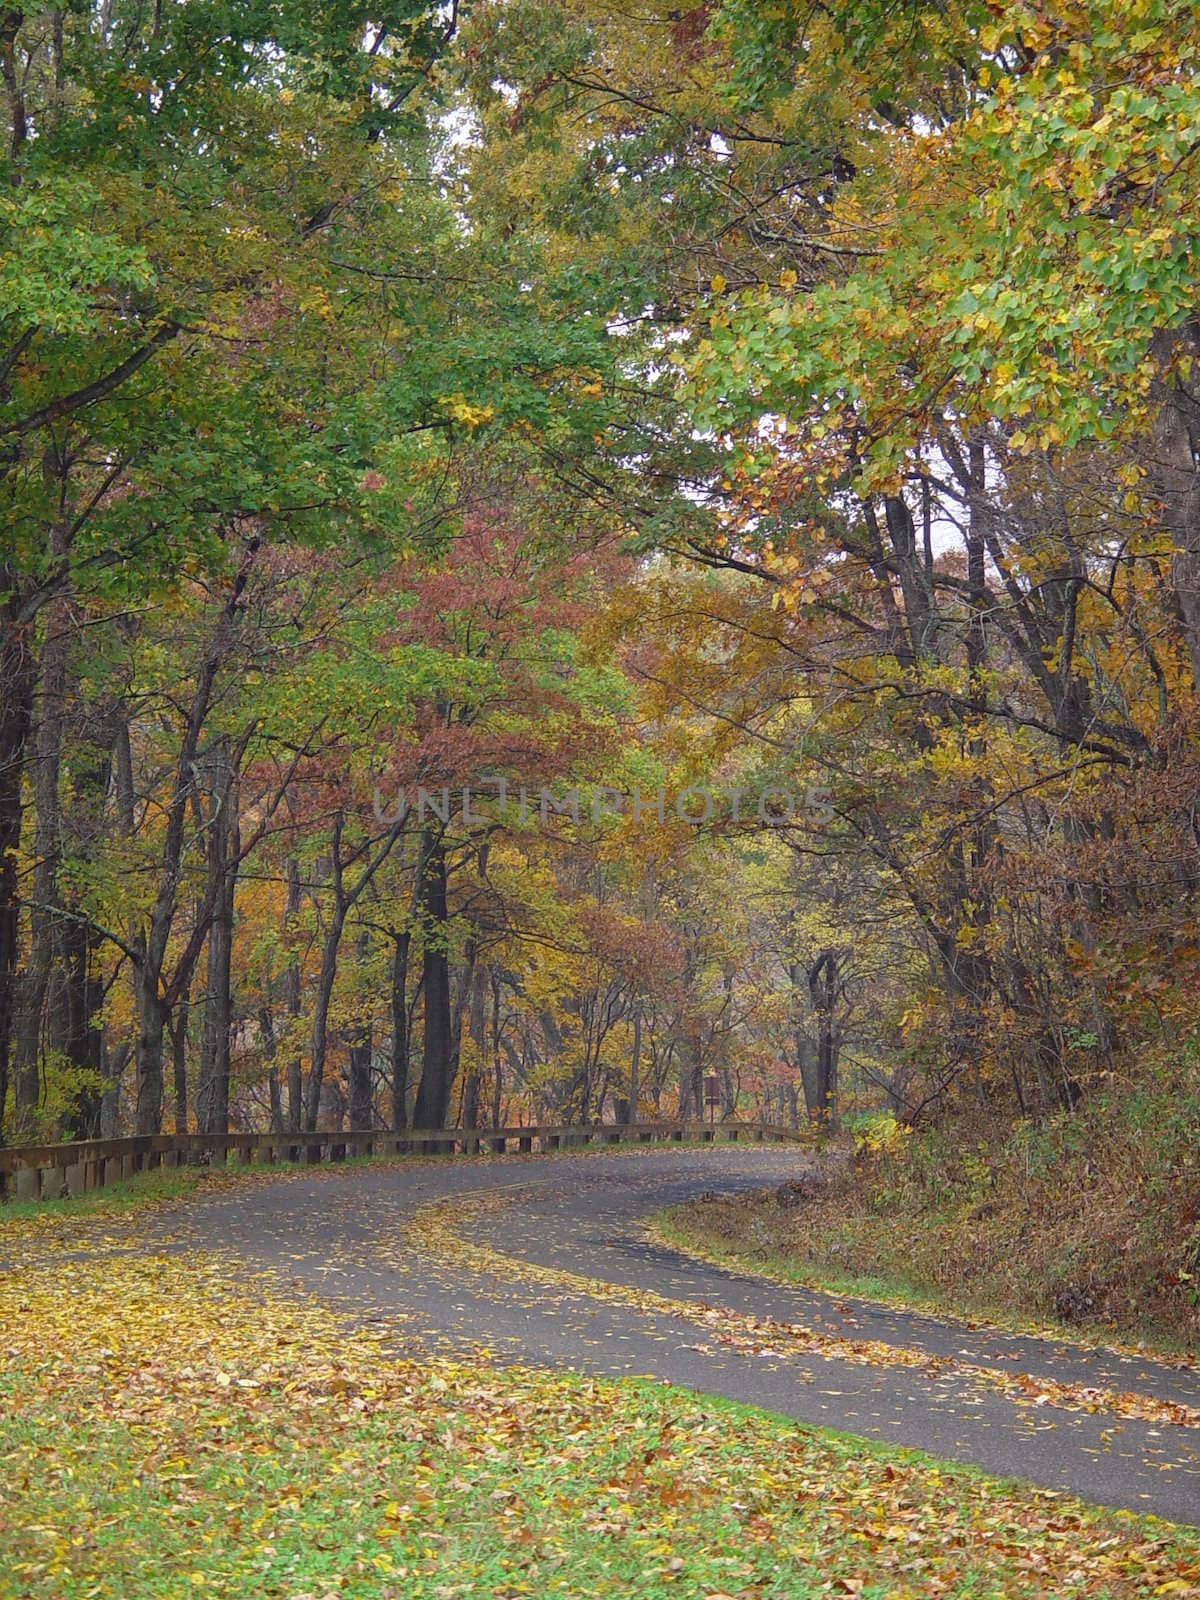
(1091, 1218)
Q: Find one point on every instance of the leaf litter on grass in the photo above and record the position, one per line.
(171, 1425)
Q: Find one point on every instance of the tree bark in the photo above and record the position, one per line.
(400, 1038)
(291, 1001)
(362, 1053)
(179, 1041)
(17, 673)
(497, 1056)
(343, 902)
(1175, 475)
(824, 982)
(49, 703)
(635, 1063)
(152, 1006)
(224, 843)
(478, 1020)
(433, 1095)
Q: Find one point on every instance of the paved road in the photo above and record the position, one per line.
(350, 1237)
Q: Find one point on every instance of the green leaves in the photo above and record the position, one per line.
(55, 261)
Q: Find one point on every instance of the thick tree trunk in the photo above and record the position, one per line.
(319, 1048)
(114, 1064)
(433, 1095)
(49, 701)
(400, 1034)
(497, 1056)
(83, 997)
(212, 1092)
(1175, 475)
(17, 672)
(824, 981)
(152, 1015)
(179, 1042)
(478, 1019)
(362, 1053)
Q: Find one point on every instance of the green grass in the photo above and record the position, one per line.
(491, 1486)
(684, 1228)
(171, 1426)
(130, 1194)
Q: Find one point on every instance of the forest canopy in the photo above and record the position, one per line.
(574, 563)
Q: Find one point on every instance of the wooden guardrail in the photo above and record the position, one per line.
(30, 1172)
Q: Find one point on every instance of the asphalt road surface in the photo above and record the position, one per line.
(359, 1239)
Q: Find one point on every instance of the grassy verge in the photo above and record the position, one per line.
(733, 1232)
(1087, 1223)
(131, 1194)
(939, 1265)
(168, 1428)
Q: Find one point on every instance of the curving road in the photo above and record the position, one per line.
(367, 1240)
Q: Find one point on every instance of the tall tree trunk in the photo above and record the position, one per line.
(319, 1047)
(433, 1095)
(362, 1053)
(497, 1056)
(343, 901)
(17, 673)
(212, 1091)
(291, 1002)
(361, 1061)
(83, 997)
(635, 1067)
(824, 981)
(152, 953)
(114, 1063)
(1175, 474)
(49, 705)
(266, 1027)
(478, 1024)
(152, 1017)
(179, 1043)
(400, 1034)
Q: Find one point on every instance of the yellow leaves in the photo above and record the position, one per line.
(717, 283)
(348, 1472)
(458, 407)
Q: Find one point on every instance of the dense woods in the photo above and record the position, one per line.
(562, 561)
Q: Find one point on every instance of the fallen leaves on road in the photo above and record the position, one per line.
(436, 1227)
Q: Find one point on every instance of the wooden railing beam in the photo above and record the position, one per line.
(38, 1171)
